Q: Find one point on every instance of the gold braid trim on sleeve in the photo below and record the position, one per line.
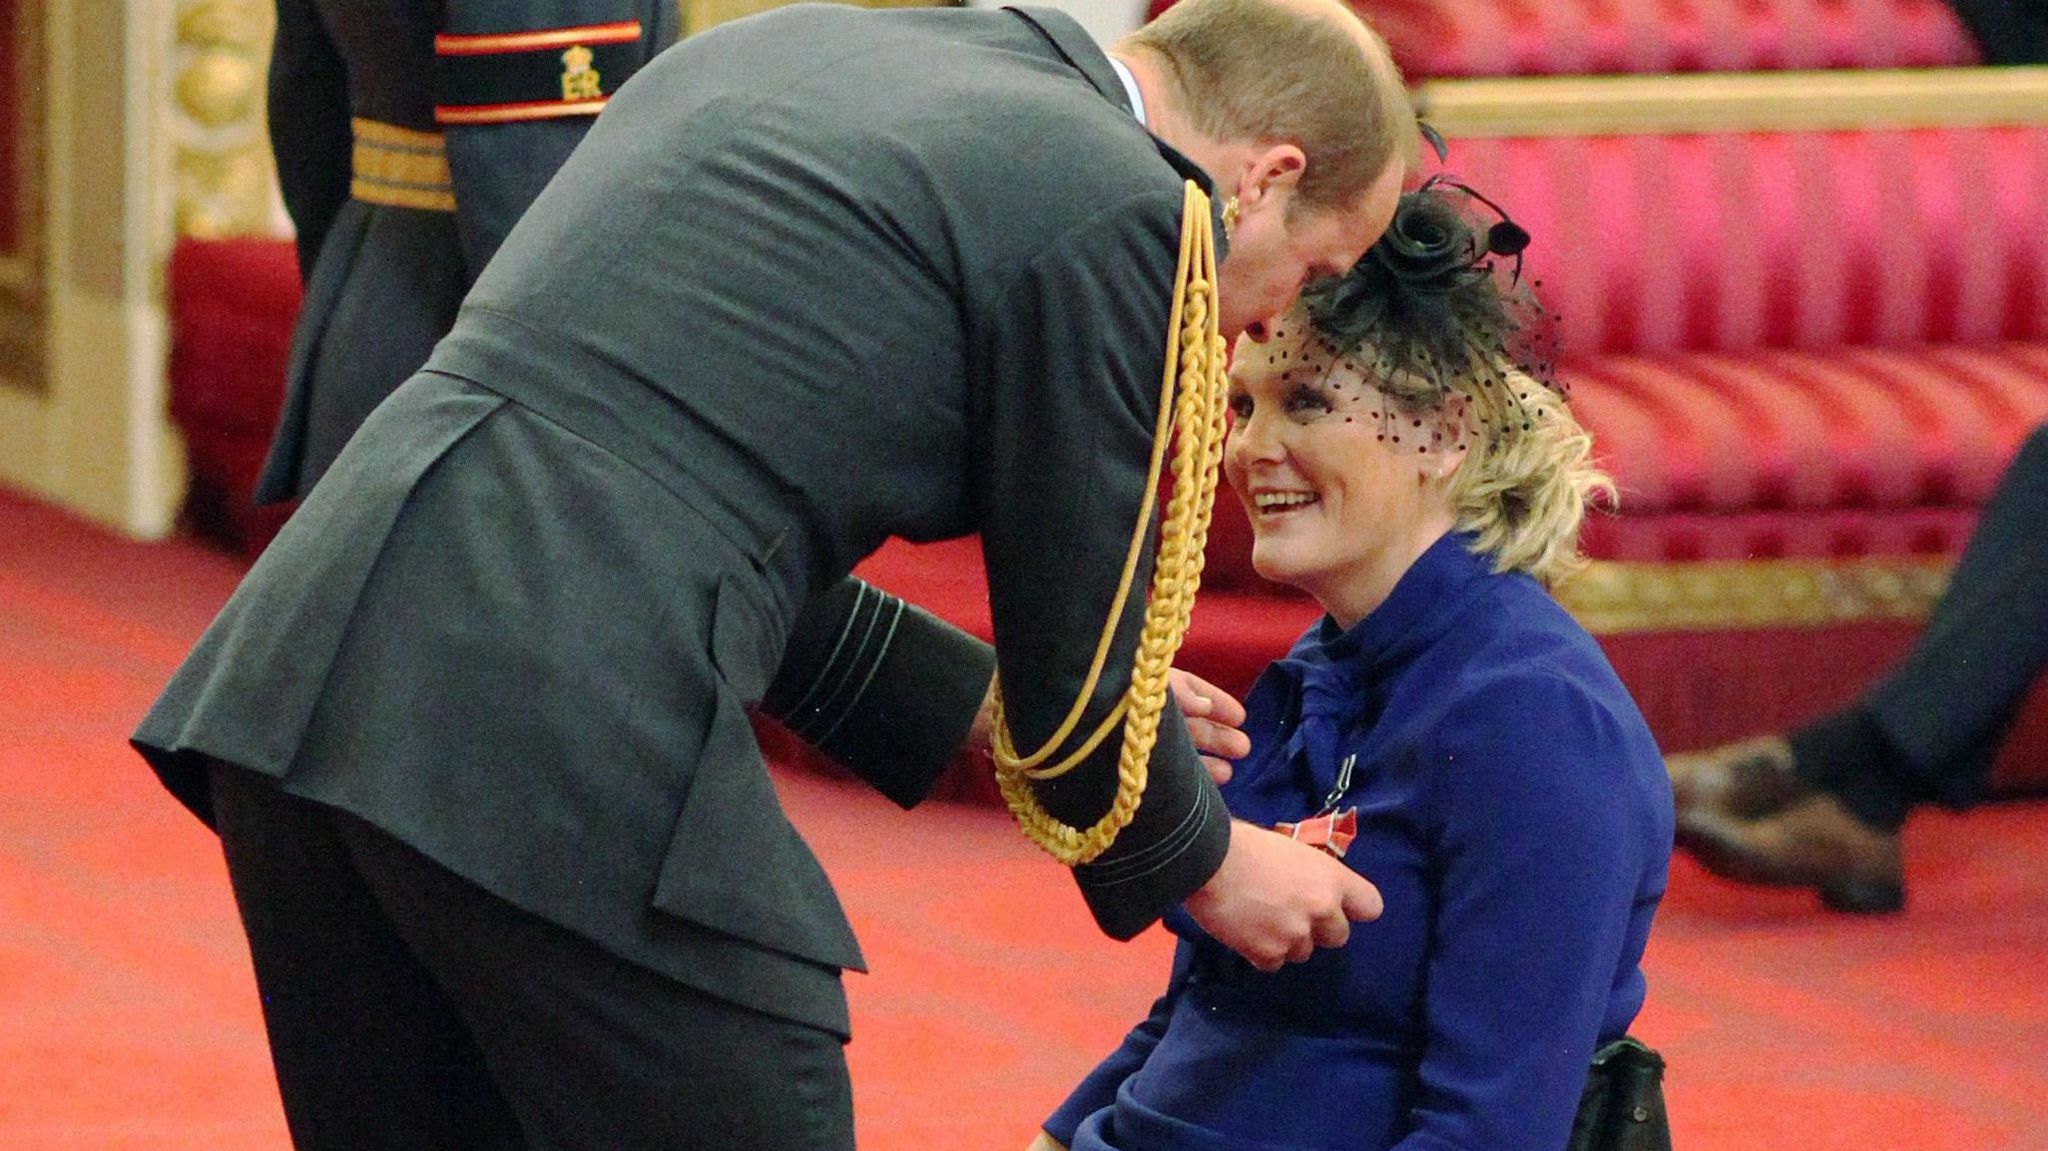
(1192, 402)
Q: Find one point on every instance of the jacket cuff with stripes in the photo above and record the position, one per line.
(514, 75)
(881, 686)
(1174, 843)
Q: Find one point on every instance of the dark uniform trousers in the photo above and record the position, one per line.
(411, 1010)
(1928, 731)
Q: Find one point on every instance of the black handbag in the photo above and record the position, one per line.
(1622, 1107)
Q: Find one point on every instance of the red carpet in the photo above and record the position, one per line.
(130, 1017)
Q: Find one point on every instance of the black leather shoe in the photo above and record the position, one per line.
(1744, 780)
(1815, 842)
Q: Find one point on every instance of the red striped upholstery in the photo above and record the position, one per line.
(231, 303)
(1445, 38)
(1779, 240)
(1778, 454)
(1780, 335)
(1850, 428)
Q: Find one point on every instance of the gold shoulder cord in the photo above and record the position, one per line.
(1191, 406)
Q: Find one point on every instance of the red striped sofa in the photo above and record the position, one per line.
(1438, 39)
(1818, 344)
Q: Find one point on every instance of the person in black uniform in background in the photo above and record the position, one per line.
(409, 138)
(474, 729)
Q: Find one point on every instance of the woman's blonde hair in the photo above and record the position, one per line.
(1528, 477)
(1525, 476)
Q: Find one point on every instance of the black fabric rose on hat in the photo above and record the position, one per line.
(1418, 295)
(1425, 302)
(1427, 242)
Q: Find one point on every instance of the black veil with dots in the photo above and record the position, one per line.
(1437, 307)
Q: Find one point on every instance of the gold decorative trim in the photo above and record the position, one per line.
(400, 167)
(1611, 597)
(23, 327)
(1735, 102)
(224, 182)
(701, 14)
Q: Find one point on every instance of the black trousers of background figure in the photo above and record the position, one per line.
(2008, 31)
(1940, 715)
(410, 1010)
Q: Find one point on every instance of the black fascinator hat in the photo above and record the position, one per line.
(1437, 304)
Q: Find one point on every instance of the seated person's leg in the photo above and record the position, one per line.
(1820, 806)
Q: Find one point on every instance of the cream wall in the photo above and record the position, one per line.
(93, 436)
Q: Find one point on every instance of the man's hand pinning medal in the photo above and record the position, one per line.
(1274, 900)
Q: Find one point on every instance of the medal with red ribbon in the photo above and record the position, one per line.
(1333, 832)
(1329, 829)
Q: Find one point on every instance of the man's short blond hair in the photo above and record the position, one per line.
(1288, 71)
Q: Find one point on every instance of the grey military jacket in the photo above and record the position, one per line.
(813, 280)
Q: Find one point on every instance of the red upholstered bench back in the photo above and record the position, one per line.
(1445, 38)
(1227, 559)
(1434, 39)
(232, 303)
(1748, 241)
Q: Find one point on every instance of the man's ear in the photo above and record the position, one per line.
(1272, 174)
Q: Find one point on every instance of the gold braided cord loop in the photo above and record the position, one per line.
(1192, 402)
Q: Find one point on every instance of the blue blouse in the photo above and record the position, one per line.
(1513, 811)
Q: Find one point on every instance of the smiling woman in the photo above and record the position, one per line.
(1447, 731)
(1404, 401)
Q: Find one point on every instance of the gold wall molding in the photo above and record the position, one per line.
(222, 177)
(1614, 597)
(95, 439)
(701, 14)
(1735, 102)
(22, 314)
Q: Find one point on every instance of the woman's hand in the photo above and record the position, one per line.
(1213, 716)
(1046, 1142)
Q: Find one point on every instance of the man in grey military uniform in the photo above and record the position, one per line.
(474, 730)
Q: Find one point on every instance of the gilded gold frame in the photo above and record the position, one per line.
(22, 309)
(223, 178)
(1611, 598)
(1735, 102)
